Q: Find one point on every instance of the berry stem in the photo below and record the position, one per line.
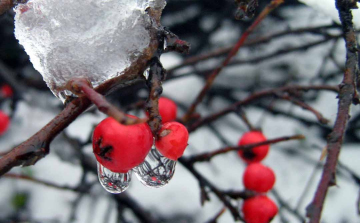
(101, 103)
(154, 82)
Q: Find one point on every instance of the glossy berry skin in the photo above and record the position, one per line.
(4, 122)
(259, 209)
(173, 140)
(6, 91)
(256, 154)
(259, 178)
(167, 110)
(120, 148)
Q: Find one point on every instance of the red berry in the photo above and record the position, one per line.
(256, 154)
(173, 140)
(167, 110)
(259, 209)
(4, 122)
(118, 147)
(259, 178)
(6, 91)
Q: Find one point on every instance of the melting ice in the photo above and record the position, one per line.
(96, 39)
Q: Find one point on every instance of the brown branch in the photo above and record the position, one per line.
(273, 4)
(347, 95)
(82, 86)
(208, 156)
(156, 73)
(37, 146)
(254, 97)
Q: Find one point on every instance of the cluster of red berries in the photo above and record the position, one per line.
(120, 148)
(258, 178)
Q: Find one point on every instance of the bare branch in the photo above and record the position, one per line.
(347, 95)
(273, 4)
(208, 156)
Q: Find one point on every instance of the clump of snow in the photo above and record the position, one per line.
(96, 39)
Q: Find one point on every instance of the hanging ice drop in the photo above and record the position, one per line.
(114, 183)
(92, 39)
(156, 171)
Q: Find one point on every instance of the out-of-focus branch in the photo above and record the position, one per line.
(347, 95)
(253, 97)
(250, 42)
(43, 182)
(268, 56)
(273, 4)
(284, 204)
(208, 156)
(217, 216)
(204, 182)
(305, 106)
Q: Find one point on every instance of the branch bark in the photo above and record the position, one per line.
(347, 95)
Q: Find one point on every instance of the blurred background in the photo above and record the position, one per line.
(294, 45)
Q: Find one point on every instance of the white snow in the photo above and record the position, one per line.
(95, 39)
(328, 8)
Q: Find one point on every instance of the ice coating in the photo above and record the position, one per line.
(96, 39)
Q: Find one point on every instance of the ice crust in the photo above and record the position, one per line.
(96, 39)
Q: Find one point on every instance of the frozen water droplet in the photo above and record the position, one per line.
(114, 183)
(156, 171)
(147, 73)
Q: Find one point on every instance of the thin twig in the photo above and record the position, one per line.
(83, 86)
(217, 216)
(273, 4)
(305, 106)
(208, 156)
(253, 97)
(249, 42)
